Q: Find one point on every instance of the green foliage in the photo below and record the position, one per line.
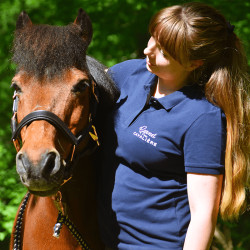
(120, 33)
(10, 189)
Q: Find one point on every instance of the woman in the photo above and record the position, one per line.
(177, 150)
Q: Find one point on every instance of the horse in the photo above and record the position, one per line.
(61, 96)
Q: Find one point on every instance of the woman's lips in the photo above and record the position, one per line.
(149, 63)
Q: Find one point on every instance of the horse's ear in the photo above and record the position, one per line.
(23, 21)
(85, 24)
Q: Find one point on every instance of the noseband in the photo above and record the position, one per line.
(58, 124)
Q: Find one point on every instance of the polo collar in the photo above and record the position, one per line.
(173, 99)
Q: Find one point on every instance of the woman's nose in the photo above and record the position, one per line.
(150, 47)
(146, 51)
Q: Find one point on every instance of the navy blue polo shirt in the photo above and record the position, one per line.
(150, 146)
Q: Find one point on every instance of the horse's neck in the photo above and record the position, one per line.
(79, 193)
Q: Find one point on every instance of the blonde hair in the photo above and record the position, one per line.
(195, 31)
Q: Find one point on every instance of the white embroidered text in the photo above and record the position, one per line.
(146, 135)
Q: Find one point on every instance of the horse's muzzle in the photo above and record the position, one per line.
(43, 176)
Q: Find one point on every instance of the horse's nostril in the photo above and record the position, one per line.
(23, 167)
(23, 163)
(50, 163)
(23, 160)
(23, 179)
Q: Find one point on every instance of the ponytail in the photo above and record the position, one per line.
(228, 88)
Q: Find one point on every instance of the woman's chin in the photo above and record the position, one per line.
(149, 68)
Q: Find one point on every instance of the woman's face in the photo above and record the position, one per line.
(163, 65)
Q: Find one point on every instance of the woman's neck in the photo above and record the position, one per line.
(162, 88)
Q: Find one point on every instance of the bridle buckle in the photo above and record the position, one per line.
(73, 152)
(94, 135)
(16, 144)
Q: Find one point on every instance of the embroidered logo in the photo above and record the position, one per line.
(146, 135)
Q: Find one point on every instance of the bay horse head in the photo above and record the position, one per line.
(53, 100)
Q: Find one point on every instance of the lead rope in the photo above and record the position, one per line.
(63, 219)
(19, 222)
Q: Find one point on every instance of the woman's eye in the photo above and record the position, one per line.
(162, 52)
(16, 87)
(81, 86)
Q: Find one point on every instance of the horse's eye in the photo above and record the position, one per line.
(81, 86)
(16, 87)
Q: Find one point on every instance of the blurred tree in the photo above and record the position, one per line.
(120, 33)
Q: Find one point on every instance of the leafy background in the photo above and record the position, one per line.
(120, 33)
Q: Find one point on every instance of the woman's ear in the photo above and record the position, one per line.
(194, 65)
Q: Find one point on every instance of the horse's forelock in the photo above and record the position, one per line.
(44, 50)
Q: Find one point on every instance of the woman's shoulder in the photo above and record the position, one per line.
(129, 65)
(195, 107)
(122, 71)
(197, 100)
(126, 68)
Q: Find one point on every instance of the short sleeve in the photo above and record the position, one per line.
(122, 71)
(204, 144)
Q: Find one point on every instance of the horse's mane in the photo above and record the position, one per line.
(105, 84)
(108, 94)
(46, 50)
